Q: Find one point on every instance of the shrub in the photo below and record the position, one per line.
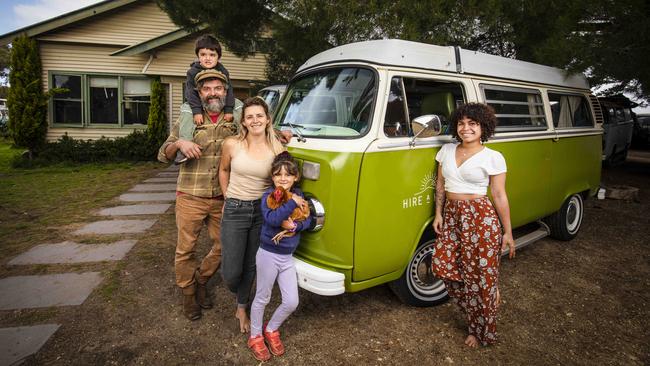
(137, 146)
(26, 100)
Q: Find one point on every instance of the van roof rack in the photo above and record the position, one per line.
(400, 53)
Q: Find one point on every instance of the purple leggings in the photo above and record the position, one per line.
(269, 267)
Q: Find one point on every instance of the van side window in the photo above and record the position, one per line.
(516, 109)
(422, 97)
(570, 111)
(396, 119)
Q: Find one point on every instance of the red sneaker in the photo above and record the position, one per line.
(274, 342)
(258, 347)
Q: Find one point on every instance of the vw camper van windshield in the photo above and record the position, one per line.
(335, 102)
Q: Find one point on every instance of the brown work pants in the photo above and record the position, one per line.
(191, 213)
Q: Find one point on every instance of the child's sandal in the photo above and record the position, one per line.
(274, 342)
(258, 347)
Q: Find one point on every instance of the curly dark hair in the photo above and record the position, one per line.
(479, 112)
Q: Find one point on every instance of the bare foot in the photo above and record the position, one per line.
(244, 321)
(498, 301)
(471, 341)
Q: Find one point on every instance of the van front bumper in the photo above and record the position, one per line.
(318, 280)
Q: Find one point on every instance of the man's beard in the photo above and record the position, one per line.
(213, 104)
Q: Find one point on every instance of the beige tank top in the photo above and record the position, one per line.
(249, 178)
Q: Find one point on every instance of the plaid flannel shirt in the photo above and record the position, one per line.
(200, 177)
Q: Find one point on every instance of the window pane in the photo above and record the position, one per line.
(103, 100)
(335, 102)
(395, 124)
(516, 110)
(99, 82)
(70, 82)
(67, 112)
(136, 110)
(137, 87)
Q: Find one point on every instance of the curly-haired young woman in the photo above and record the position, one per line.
(472, 230)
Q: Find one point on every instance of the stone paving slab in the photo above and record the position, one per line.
(115, 227)
(21, 292)
(145, 209)
(161, 180)
(143, 197)
(19, 342)
(71, 252)
(153, 187)
(167, 174)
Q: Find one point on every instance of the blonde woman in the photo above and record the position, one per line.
(244, 175)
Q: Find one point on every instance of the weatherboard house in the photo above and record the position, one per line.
(106, 54)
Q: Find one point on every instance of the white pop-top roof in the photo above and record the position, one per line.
(396, 52)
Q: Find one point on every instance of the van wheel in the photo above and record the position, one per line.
(565, 223)
(418, 286)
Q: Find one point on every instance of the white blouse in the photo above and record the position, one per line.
(473, 175)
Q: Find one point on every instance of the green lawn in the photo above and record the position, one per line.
(36, 205)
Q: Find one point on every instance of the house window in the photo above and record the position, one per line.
(101, 100)
(136, 101)
(68, 105)
(516, 109)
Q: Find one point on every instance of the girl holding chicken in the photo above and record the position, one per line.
(285, 213)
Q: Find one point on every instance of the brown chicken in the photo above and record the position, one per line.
(279, 197)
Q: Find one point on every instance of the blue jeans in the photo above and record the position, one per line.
(241, 226)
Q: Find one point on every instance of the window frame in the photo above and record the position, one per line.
(85, 100)
(523, 90)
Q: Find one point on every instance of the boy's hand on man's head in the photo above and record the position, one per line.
(228, 117)
(198, 119)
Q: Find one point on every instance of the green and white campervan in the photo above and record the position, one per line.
(368, 119)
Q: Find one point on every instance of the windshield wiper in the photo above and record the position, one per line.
(301, 138)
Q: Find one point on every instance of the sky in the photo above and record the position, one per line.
(16, 14)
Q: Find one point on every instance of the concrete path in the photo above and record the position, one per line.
(169, 187)
(116, 227)
(70, 289)
(19, 342)
(142, 197)
(25, 292)
(71, 252)
(144, 209)
(161, 180)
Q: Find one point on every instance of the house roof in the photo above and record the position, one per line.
(65, 19)
(154, 43)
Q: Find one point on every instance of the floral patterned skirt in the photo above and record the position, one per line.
(466, 257)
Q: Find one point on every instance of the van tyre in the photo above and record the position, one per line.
(565, 223)
(418, 286)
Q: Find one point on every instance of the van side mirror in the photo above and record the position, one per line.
(427, 125)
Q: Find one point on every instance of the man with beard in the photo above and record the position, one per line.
(199, 198)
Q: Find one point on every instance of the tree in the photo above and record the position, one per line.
(606, 39)
(157, 122)
(26, 101)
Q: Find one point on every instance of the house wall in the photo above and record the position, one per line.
(124, 26)
(85, 47)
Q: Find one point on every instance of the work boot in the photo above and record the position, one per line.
(202, 296)
(191, 309)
